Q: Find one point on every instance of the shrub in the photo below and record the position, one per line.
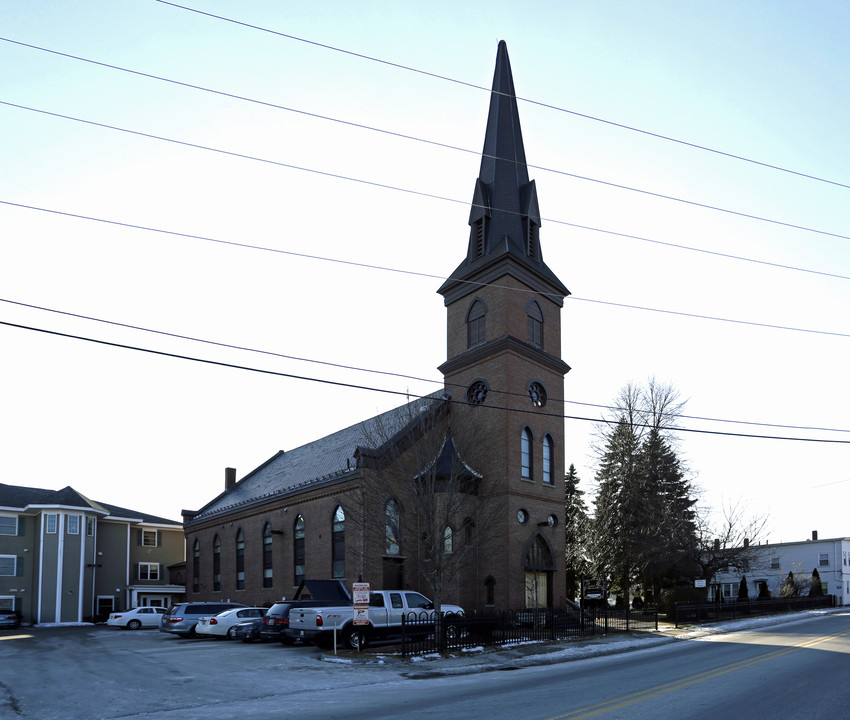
(679, 594)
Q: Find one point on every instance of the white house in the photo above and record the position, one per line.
(772, 562)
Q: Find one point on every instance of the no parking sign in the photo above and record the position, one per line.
(360, 592)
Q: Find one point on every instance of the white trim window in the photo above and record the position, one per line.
(148, 538)
(90, 526)
(9, 525)
(7, 604)
(73, 524)
(148, 571)
(730, 591)
(7, 565)
(823, 559)
(50, 523)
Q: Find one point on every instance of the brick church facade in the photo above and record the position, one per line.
(459, 494)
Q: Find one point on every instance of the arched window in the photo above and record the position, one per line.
(338, 543)
(448, 540)
(535, 323)
(393, 516)
(476, 323)
(268, 574)
(526, 440)
(240, 560)
(196, 567)
(298, 549)
(468, 531)
(490, 587)
(216, 563)
(548, 460)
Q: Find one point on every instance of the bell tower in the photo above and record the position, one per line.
(504, 366)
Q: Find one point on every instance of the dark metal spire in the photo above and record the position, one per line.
(504, 219)
(503, 168)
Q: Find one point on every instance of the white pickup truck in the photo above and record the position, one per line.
(386, 610)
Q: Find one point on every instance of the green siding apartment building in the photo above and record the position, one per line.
(67, 559)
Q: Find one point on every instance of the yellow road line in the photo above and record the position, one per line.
(626, 700)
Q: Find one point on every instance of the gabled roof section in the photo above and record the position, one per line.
(27, 499)
(330, 459)
(505, 218)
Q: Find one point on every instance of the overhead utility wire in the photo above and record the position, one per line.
(336, 176)
(270, 353)
(563, 173)
(337, 383)
(548, 106)
(233, 243)
(607, 183)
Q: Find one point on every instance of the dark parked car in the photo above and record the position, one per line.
(248, 631)
(9, 620)
(181, 619)
(311, 593)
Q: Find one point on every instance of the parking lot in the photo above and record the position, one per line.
(103, 672)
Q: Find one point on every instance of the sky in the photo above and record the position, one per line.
(223, 225)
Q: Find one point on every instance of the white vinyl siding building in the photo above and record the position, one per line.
(772, 562)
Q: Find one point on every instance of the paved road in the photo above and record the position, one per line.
(797, 669)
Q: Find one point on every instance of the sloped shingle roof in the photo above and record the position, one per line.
(16, 496)
(330, 457)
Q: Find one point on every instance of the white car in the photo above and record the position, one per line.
(137, 618)
(222, 625)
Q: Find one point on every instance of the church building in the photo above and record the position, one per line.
(460, 494)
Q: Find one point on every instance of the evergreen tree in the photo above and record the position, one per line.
(789, 586)
(743, 590)
(669, 545)
(623, 512)
(576, 531)
(645, 525)
(816, 589)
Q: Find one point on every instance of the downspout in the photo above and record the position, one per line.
(127, 604)
(93, 566)
(82, 536)
(43, 527)
(60, 561)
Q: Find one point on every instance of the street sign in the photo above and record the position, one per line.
(699, 583)
(360, 593)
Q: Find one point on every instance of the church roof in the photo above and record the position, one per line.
(504, 216)
(27, 499)
(327, 460)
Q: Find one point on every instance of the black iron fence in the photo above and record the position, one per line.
(687, 614)
(421, 634)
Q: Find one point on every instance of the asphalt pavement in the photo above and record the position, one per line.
(521, 655)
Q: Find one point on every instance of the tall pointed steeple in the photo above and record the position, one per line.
(504, 219)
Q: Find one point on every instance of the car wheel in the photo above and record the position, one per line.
(229, 634)
(134, 625)
(355, 638)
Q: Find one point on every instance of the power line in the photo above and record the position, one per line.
(407, 272)
(433, 196)
(355, 386)
(564, 173)
(379, 372)
(474, 86)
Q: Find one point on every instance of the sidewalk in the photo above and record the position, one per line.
(481, 659)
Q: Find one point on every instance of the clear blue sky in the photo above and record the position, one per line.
(762, 80)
